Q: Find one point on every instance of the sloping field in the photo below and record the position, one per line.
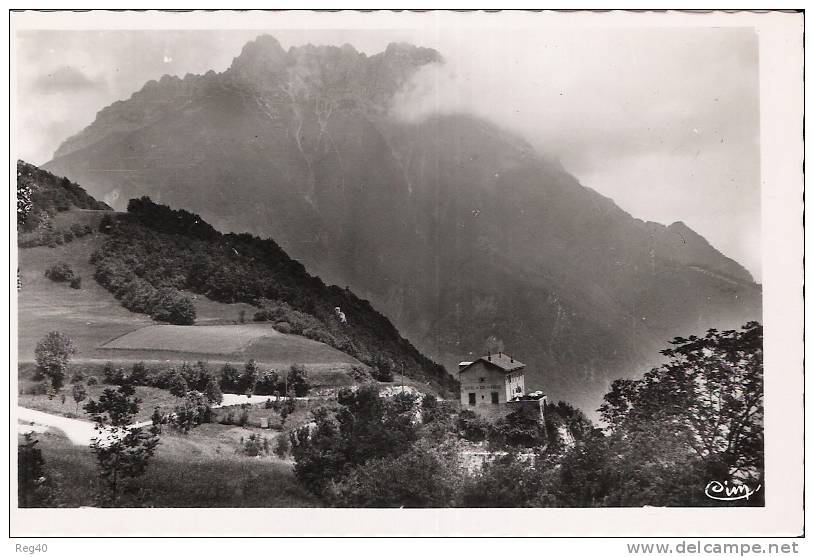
(212, 339)
(90, 316)
(237, 342)
(101, 328)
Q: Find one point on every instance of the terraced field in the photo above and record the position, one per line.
(230, 342)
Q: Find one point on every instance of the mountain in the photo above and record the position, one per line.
(152, 256)
(456, 229)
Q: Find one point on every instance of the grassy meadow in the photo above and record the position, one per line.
(201, 469)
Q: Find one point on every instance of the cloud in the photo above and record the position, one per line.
(65, 79)
(663, 121)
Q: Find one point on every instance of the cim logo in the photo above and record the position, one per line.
(728, 492)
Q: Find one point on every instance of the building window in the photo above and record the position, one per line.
(494, 398)
(482, 379)
(471, 399)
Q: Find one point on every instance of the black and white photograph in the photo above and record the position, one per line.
(437, 264)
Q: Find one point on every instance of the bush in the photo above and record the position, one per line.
(229, 378)
(383, 370)
(193, 411)
(282, 447)
(472, 427)
(38, 389)
(138, 374)
(268, 384)
(298, 380)
(283, 327)
(255, 445)
(78, 376)
(521, 428)
(173, 307)
(60, 272)
(247, 379)
(114, 376)
(228, 418)
(422, 477)
(243, 417)
(92, 380)
(76, 282)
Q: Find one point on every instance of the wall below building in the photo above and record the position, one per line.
(494, 412)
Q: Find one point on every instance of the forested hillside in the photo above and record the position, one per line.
(154, 252)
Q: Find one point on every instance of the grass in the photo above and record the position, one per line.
(201, 469)
(215, 339)
(230, 342)
(90, 315)
(151, 397)
(92, 318)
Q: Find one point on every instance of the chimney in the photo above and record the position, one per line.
(511, 358)
(489, 355)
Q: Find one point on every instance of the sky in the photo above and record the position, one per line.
(664, 121)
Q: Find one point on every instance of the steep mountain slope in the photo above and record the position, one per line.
(460, 232)
(152, 255)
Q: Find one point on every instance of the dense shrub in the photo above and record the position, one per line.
(422, 477)
(504, 482)
(255, 445)
(298, 381)
(282, 327)
(60, 272)
(268, 384)
(194, 410)
(521, 428)
(282, 447)
(114, 375)
(139, 374)
(472, 427)
(76, 282)
(363, 427)
(229, 378)
(139, 295)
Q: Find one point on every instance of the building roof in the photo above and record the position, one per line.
(499, 360)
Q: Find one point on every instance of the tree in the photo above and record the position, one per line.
(298, 381)
(710, 391)
(696, 418)
(79, 394)
(363, 427)
(194, 411)
(178, 385)
(32, 489)
(507, 481)
(521, 428)
(282, 446)
(53, 354)
(422, 477)
(248, 378)
(229, 378)
(122, 451)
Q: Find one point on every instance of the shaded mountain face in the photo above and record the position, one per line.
(459, 231)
